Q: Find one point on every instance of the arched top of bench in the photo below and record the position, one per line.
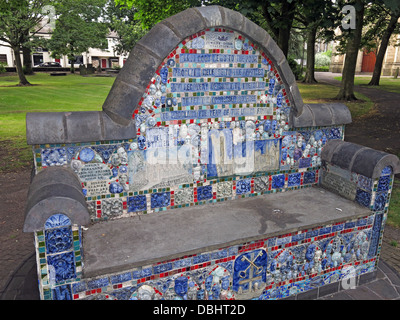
(165, 36)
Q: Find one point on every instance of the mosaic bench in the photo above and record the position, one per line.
(204, 177)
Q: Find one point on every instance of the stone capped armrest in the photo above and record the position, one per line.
(322, 114)
(359, 159)
(358, 173)
(72, 127)
(55, 190)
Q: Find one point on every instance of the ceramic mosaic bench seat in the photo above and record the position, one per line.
(201, 229)
(204, 177)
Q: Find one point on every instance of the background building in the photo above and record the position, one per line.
(366, 60)
(105, 58)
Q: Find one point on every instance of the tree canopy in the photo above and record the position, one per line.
(19, 20)
(78, 28)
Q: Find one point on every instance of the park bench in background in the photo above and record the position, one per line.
(204, 177)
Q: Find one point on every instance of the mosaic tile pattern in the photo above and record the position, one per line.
(269, 268)
(59, 257)
(212, 126)
(215, 110)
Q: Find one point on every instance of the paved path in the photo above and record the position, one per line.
(386, 286)
(380, 129)
(383, 134)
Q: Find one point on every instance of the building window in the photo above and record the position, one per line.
(78, 60)
(3, 58)
(37, 59)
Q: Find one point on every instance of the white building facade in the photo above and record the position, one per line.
(107, 58)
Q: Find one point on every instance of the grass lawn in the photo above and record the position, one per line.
(394, 207)
(320, 93)
(392, 85)
(387, 84)
(48, 94)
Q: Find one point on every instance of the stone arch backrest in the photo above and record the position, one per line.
(151, 51)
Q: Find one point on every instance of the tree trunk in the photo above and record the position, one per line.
(302, 59)
(283, 40)
(26, 52)
(72, 62)
(22, 79)
(376, 76)
(287, 15)
(353, 43)
(311, 35)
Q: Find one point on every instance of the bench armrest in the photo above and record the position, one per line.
(359, 159)
(56, 190)
(358, 173)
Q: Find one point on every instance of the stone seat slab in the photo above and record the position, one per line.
(122, 244)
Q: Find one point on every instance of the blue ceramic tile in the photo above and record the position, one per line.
(294, 179)
(146, 272)
(137, 203)
(386, 170)
(162, 268)
(160, 200)
(58, 240)
(54, 157)
(121, 278)
(57, 220)
(116, 188)
(309, 177)
(380, 201)
(363, 197)
(201, 258)
(278, 181)
(98, 283)
(86, 154)
(375, 236)
(384, 183)
(204, 193)
(243, 186)
(79, 287)
(62, 292)
(349, 225)
(364, 183)
(248, 266)
(63, 265)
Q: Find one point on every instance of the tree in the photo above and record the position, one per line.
(19, 20)
(77, 29)
(128, 29)
(346, 91)
(392, 11)
(279, 15)
(150, 12)
(315, 15)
